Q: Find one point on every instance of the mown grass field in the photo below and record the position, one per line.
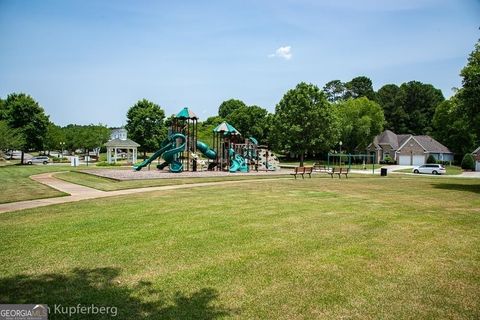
(399, 247)
(16, 185)
(106, 184)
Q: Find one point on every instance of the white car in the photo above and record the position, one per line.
(39, 159)
(430, 169)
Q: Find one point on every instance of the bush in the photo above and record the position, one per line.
(444, 162)
(60, 160)
(431, 159)
(106, 164)
(387, 160)
(468, 162)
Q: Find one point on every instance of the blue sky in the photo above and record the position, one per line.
(89, 61)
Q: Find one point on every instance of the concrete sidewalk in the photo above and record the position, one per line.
(78, 193)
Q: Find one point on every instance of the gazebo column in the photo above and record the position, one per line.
(109, 155)
(134, 158)
(115, 159)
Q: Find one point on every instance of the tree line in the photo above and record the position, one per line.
(25, 126)
(307, 120)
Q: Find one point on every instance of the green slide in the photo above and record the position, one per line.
(164, 147)
(169, 151)
(170, 156)
(206, 150)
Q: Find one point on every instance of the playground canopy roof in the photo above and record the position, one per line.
(226, 128)
(186, 113)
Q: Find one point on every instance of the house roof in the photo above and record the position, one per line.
(388, 137)
(476, 150)
(397, 141)
(431, 145)
(127, 143)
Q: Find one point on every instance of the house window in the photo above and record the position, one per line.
(386, 154)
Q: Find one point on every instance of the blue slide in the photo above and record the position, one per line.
(238, 162)
(168, 151)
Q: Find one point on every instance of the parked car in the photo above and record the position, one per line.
(430, 169)
(39, 159)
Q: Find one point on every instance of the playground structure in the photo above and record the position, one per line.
(181, 150)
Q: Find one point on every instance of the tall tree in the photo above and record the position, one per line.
(418, 101)
(360, 87)
(469, 94)
(25, 114)
(360, 121)
(86, 137)
(305, 121)
(54, 137)
(335, 90)
(145, 125)
(229, 106)
(387, 97)
(10, 139)
(250, 121)
(450, 127)
(3, 110)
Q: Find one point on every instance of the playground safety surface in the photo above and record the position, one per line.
(158, 174)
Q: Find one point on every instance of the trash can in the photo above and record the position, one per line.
(383, 172)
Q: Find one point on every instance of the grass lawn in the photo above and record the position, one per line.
(368, 247)
(107, 184)
(451, 170)
(17, 186)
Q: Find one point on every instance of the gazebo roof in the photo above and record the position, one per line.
(119, 143)
(186, 113)
(226, 128)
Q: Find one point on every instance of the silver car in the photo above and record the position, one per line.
(430, 169)
(39, 159)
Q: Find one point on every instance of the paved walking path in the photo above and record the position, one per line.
(77, 192)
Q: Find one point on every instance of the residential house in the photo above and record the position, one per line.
(407, 149)
(476, 154)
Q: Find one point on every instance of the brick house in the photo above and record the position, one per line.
(476, 154)
(407, 149)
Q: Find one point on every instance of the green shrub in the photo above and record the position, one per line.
(387, 160)
(60, 160)
(468, 162)
(431, 159)
(444, 162)
(106, 164)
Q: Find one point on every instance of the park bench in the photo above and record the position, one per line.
(344, 171)
(302, 171)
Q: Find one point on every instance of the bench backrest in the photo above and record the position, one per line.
(308, 169)
(299, 169)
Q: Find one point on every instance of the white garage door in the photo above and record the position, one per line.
(404, 160)
(418, 160)
(477, 168)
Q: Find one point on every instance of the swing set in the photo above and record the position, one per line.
(342, 158)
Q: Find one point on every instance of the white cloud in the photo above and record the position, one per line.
(282, 52)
